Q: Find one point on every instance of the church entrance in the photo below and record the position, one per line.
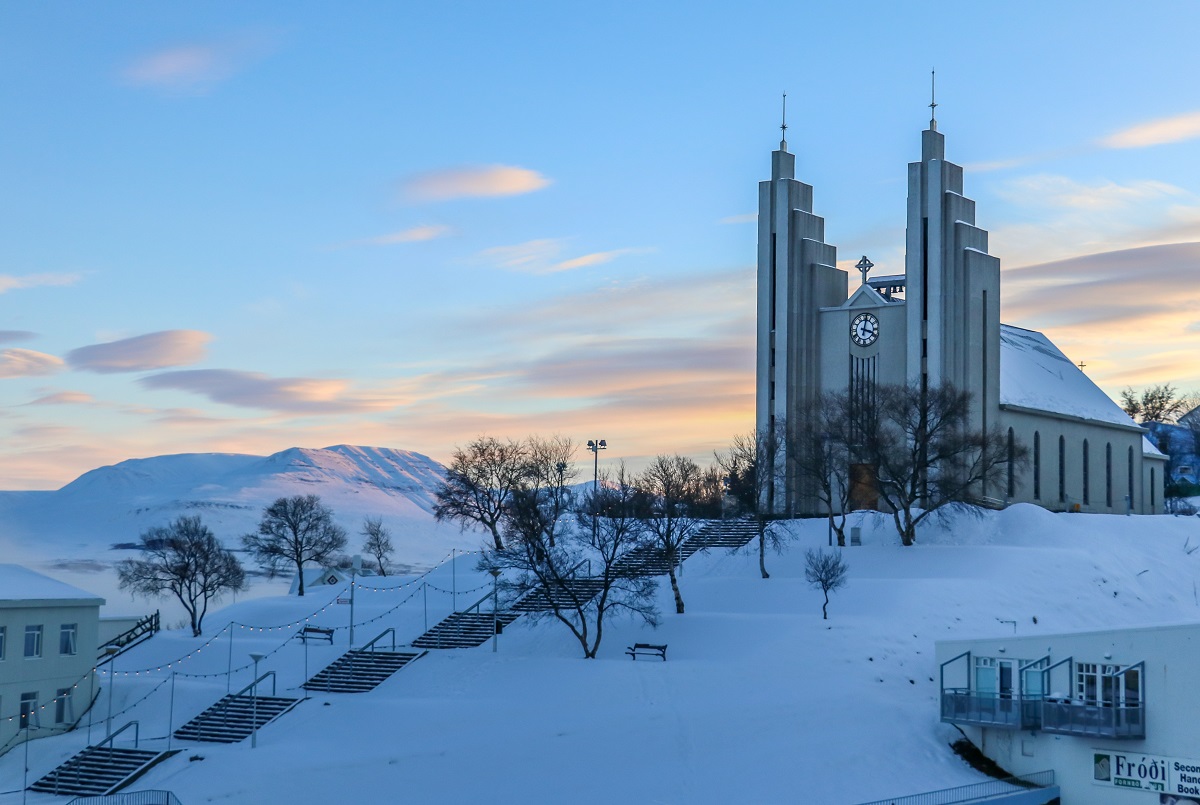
(864, 488)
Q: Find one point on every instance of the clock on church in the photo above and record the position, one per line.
(864, 329)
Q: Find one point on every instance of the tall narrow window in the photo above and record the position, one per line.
(1037, 465)
(29, 710)
(1108, 475)
(1062, 469)
(3, 640)
(1087, 496)
(1012, 460)
(33, 641)
(66, 638)
(1129, 500)
(64, 706)
(1152, 490)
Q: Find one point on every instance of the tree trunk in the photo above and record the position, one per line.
(762, 551)
(675, 589)
(825, 607)
(300, 578)
(840, 530)
(496, 537)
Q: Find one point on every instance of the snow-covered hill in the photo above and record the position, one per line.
(70, 533)
(760, 700)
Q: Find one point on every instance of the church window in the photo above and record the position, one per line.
(1130, 478)
(1037, 465)
(1086, 491)
(1012, 460)
(1108, 475)
(1062, 468)
(1152, 490)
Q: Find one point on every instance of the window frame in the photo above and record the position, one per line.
(36, 632)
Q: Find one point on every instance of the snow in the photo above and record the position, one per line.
(760, 700)
(21, 584)
(1035, 374)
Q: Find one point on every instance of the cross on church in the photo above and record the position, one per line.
(864, 265)
(1082, 364)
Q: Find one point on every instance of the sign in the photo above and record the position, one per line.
(1138, 772)
(343, 600)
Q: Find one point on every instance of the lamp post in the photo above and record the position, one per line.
(355, 566)
(495, 608)
(254, 702)
(111, 652)
(595, 445)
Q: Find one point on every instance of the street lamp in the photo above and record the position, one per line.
(254, 702)
(595, 445)
(110, 652)
(355, 567)
(495, 609)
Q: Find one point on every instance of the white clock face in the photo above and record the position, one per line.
(864, 329)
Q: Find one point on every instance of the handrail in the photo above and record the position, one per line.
(255, 683)
(151, 796)
(148, 625)
(475, 606)
(371, 645)
(1023, 668)
(1122, 671)
(973, 791)
(136, 734)
(1046, 675)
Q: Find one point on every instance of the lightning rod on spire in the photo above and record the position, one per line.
(933, 100)
(783, 126)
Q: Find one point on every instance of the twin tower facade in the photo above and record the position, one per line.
(939, 322)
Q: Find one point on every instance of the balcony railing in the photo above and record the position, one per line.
(1007, 711)
(1094, 719)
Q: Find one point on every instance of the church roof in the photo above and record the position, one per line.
(1035, 374)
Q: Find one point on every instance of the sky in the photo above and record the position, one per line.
(247, 226)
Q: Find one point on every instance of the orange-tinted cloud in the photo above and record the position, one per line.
(63, 398)
(254, 390)
(483, 181)
(141, 353)
(8, 282)
(27, 363)
(1175, 129)
(195, 68)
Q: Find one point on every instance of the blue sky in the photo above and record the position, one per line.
(249, 226)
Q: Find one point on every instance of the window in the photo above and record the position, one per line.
(1108, 475)
(1152, 490)
(33, 641)
(1129, 502)
(64, 706)
(1012, 460)
(66, 638)
(29, 710)
(3, 641)
(1062, 469)
(1086, 490)
(1037, 465)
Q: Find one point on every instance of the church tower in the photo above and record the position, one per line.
(797, 276)
(953, 285)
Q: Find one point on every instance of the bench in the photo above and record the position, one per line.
(315, 633)
(647, 648)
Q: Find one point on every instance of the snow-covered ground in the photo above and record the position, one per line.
(759, 701)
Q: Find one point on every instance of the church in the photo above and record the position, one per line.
(938, 322)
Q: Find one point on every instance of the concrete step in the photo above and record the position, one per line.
(361, 671)
(234, 717)
(98, 770)
(464, 630)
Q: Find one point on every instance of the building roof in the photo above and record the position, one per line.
(20, 586)
(1035, 374)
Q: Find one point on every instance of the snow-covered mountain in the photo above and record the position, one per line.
(73, 530)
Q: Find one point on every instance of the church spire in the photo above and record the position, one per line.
(933, 100)
(783, 126)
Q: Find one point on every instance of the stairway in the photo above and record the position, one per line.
(360, 671)
(463, 630)
(98, 770)
(543, 600)
(232, 719)
(722, 534)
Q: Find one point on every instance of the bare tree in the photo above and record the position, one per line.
(826, 572)
(294, 531)
(821, 449)
(185, 560)
(549, 472)
(752, 464)
(672, 484)
(926, 455)
(377, 542)
(479, 484)
(1158, 403)
(583, 577)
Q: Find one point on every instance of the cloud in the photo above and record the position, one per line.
(541, 257)
(410, 235)
(64, 398)
(142, 353)
(195, 68)
(27, 363)
(744, 218)
(473, 182)
(1059, 191)
(10, 283)
(1164, 130)
(593, 259)
(8, 336)
(255, 390)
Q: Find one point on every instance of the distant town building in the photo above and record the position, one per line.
(48, 643)
(937, 322)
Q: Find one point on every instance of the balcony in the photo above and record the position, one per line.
(1093, 719)
(1006, 711)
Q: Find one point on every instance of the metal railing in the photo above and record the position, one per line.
(1013, 711)
(379, 637)
(254, 684)
(152, 797)
(145, 628)
(974, 791)
(1094, 719)
(108, 739)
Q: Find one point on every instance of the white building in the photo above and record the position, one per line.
(48, 641)
(938, 322)
(1114, 713)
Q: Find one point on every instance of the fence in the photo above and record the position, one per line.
(153, 797)
(974, 791)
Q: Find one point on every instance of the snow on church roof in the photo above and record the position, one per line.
(1035, 374)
